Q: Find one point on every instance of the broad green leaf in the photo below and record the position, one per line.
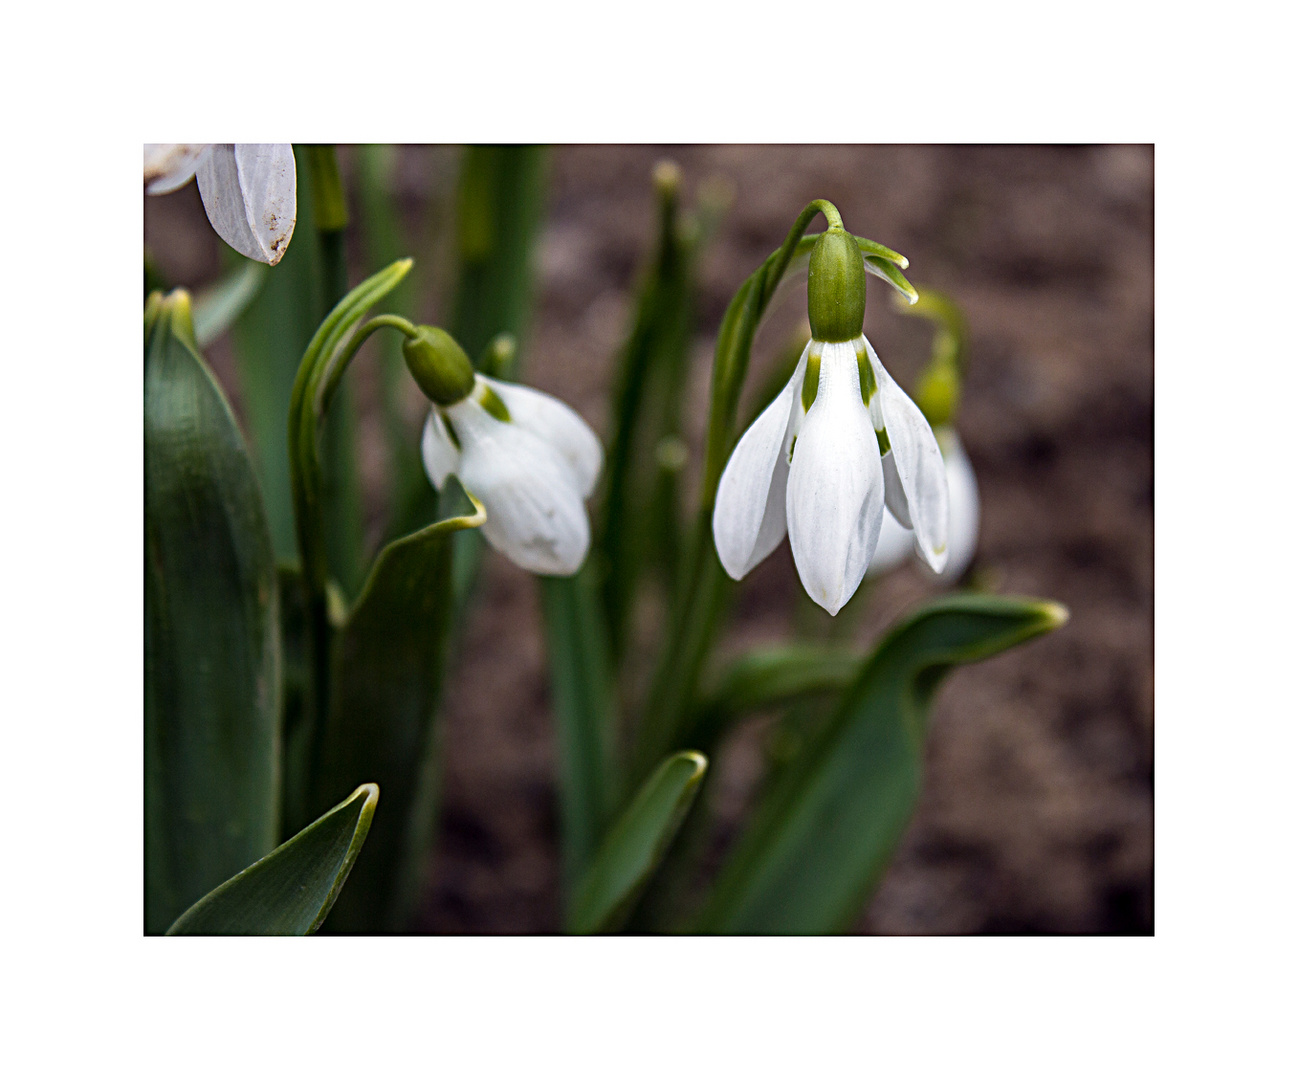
(636, 844)
(584, 715)
(219, 306)
(211, 640)
(388, 666)
(821, 838)
(291, 890)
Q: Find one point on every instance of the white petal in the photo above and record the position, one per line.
(168, 166)
(439, 453)
(965, 514)
(748, 519)
(919, 468)
(896, 542)
(835, 497)
(535, 515)
(250, 193)
(557, 424)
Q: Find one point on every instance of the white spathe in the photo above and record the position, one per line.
(897, 543)
(820, 475)
(249, 190)
(531, 472)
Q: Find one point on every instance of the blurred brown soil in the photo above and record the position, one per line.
(1037, 816)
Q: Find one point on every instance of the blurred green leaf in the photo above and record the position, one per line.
(269, 340)
(584, 713)
(219, 306)
(640, 523)
(821, 838)
(387, 674)
(770, 679)
(211, 644)
(291, 890)
(636, 844)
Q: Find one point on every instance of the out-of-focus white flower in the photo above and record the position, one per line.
(249, 190)
(897, 543)
(530, 460)
(839, 442)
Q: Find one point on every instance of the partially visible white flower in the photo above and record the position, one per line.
(249, 190)
(531, 464)
(826, 472)
(897, 543)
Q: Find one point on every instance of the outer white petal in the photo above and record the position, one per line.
(535, 515)
(748, 519)
(557, 424)
(919, 467)
(439, 453)
(168, 166)
(835, 496)
(250, 193)
(965, 509)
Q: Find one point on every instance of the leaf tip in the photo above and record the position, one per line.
(1054, 614)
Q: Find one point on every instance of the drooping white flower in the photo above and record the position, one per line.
(825, 473)
(249, 190)
(897, 543)
(530, 460)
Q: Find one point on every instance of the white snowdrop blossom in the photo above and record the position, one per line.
(530, 460)
(897, 543)
(825, 472)
(249, 190)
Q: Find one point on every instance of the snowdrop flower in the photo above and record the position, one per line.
(249, 190)
(841, 441)
(527, 457)
(896, 542)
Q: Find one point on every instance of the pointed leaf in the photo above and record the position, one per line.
(219, 306)
(211, 644)
(292, 889)
(388, 667)
(636, 844)
(822, 837)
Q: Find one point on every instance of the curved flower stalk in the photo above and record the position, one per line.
(841, 441)
(897, 543)
(526, 456)
(249, 190)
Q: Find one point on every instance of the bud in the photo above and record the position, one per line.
(836, 288)
(438, 365)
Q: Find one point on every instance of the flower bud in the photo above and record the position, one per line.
(438, 365)
(836, 288)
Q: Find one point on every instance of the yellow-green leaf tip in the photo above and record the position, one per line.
(1054, 614)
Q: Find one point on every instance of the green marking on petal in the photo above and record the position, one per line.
(884, 444)
(450, 430)
(869, 385)
(811, 381)
(490, 400)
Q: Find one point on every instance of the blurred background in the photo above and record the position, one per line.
(1038, 811)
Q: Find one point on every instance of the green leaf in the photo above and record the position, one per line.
(211, 644)
(584, 713)
(499, 205)
(269, 340)
(639, 525)
(219, 306)
(388, 667)
(770, 679)
(291, 890)
(821, 838)
(636, 844)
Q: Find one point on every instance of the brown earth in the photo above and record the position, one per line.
(1038, 811)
